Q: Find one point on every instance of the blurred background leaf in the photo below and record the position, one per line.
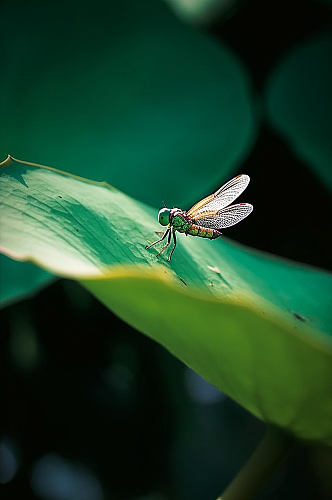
(20, 279)
(299, 102)
(253, 312)
(124, 93)
(127, 94)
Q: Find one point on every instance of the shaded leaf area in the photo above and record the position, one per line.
(299, 102)
(20, 279)
(253, 328)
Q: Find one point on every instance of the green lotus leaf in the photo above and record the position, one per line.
(299, 103)
(257, 327)
(119, 92)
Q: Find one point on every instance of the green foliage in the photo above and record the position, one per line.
(257, 327)
(20, 279)
(126, 91)
(117, 97)
(299, 102)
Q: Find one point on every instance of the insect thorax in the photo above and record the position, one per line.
(179, 220)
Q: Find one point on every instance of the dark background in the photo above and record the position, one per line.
(115, 415)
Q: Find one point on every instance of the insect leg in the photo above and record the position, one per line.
(158, 241)
(174, 238)
(168, 242)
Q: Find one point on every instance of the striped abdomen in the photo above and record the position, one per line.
(203, 232)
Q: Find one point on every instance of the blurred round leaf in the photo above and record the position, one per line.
(257, 327)
(128, 94)
(299, 102)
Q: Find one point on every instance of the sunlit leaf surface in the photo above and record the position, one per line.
(257, 327)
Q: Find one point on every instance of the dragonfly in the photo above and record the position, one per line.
(207, 217)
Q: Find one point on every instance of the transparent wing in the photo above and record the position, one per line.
(225, 217)
(222, 197)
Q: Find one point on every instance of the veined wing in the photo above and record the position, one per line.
(222, 197)
(225, 217)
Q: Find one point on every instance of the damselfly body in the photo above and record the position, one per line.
(208, 216)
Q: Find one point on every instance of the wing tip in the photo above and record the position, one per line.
(249, 206)
(244, 177)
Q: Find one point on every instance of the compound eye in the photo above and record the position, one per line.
(163, 216)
